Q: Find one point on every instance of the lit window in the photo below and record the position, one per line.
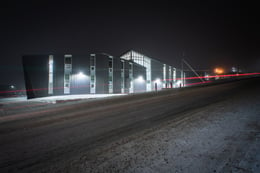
(92, 60)
(67, 60)
(110, 63)
(50, 89)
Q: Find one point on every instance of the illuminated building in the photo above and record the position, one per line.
(158, 74)
(97, 73)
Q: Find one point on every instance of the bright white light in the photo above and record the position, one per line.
(81, 75)
(234, 69)
(157, 81)
(12, 86)
(140, 79)
(206, 77)
(178, 82)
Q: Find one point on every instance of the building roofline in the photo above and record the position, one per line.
(131, 50)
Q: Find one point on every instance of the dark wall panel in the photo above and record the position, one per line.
(101, 74)
(36, 75)
(116, 75)
(58, 77)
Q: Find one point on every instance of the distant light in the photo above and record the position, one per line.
(234, 69)
(140, 79)
(219, 70)
(12, 86)
(206, 76)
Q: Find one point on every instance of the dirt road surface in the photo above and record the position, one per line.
(201, 129)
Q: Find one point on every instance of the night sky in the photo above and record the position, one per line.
(209, 34)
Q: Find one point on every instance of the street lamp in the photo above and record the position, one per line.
(81, 75)
(140, 79)
(158, 81)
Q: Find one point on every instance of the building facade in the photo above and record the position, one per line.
(97, 73)
(158, 74)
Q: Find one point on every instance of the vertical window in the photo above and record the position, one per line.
(110, 63)
(122, 64)
(67, 60)
(174, 74)
(92, 60)
(67, 73)
(170, 73)
(164, 75)
(93, 73)
(50, 85)
(131, 77)
(122, 77)
(110, 75)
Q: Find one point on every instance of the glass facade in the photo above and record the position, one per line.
(98, 74)
(143, 61)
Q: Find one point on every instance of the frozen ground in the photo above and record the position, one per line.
(15, 105)
(53, 99)
(223, 137)
(208, 129)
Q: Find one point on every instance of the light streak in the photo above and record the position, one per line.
(214, 76)
(190, 84)
(198, 83)
(157, 80)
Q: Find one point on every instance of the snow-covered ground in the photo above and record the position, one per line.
(207, 129)
(224, 137)
(53, 99)
(72, 97)
(15, 105)
(9, 100)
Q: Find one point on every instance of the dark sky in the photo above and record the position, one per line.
(211, 33)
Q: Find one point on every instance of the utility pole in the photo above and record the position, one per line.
(192, 69)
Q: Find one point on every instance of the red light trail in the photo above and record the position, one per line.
(197, 83)
(82, 86)
(186, 78)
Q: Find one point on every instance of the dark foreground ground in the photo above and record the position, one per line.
(207, 129)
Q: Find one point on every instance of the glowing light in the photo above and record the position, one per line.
(81, 75)
(178, 82)
(214, 76)
(140, 79)
(197, 83)
(219, 70)
(158, 81)
(206, 77)
(234, 69)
